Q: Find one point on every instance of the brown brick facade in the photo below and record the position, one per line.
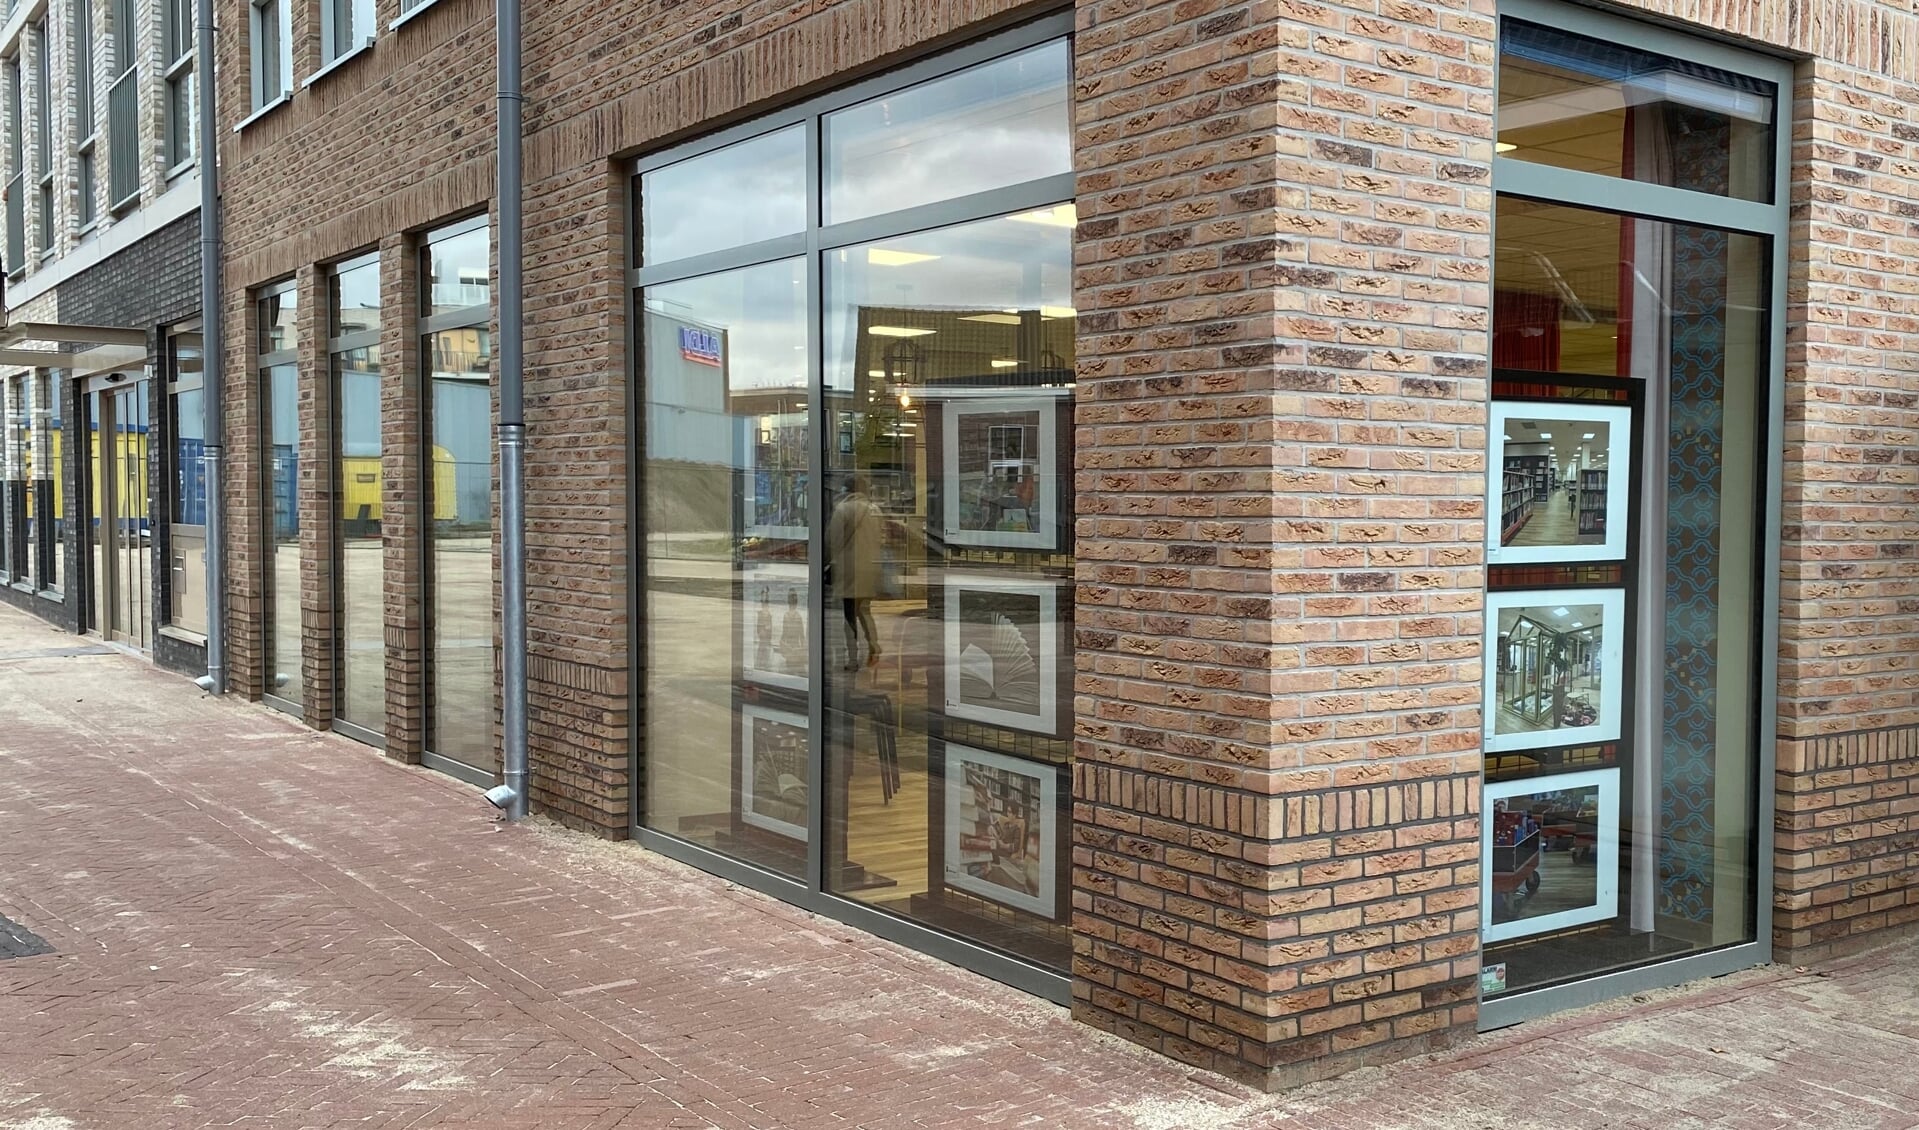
(1282, 277)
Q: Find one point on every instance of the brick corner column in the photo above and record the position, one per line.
(405, 501)
(319, 606)
(1283, 272)
(248, 508)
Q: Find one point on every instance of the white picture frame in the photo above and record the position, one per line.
(1565, 611)
(1515, 426)
(769, 652)
(1603, 854)
(974, 858)
(979, 650)
(753, 523)
(749, 811)
(1042, 520)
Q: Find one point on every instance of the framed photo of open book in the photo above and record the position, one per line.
(1002, 651)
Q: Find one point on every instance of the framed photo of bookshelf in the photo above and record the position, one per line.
(1556, 491)
(1549, 853)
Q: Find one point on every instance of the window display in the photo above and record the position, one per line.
(858, 576)
(1633, 355)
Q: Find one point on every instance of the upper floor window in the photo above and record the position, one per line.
(345, 27)
(272, 50)
(177, 52)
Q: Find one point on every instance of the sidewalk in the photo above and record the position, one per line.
(259, 926)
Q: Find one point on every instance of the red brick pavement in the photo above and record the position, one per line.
(263, 927)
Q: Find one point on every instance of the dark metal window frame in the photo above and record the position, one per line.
(263, 366)
(812, 244)
(338, 344)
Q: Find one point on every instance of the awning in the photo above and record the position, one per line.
(106, 348)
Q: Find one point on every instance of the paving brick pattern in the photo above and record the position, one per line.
(262, 926)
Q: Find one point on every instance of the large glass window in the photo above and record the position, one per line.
(178, 45)
(54, 495)
(359, 480)
(187, 526)
(858, 594)
(43, 131)
(83, 110)
(345, 26)
(279, 377)
(457, 348)
(1634, 349)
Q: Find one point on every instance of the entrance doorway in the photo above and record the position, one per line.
(119, 409)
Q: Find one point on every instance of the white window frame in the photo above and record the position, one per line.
(360, 26)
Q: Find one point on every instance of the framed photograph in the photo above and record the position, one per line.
(1001, 472)
(1556, 490)
(1554, 675)
(1002, 655)
(1002, 829)
(1549, 853)
(773, 634)
(775, 481)
(775, 773)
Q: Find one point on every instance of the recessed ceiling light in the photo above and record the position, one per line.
(1057, 312)
(1003, 363)
(1545, 435)
(1589, 435)
(996, 319)
(897, 331)
(876, 374)
(1561, 612)
(1577, 624)
(881, 257)
(1504, 147)
(1058, 216)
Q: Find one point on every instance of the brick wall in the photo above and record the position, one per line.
(1282, 273)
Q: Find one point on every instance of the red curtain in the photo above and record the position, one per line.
(1525, 331)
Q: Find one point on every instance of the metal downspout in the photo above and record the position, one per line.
(212, 356)
(512, 417)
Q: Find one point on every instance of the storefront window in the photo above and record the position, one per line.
(457, 356)
(1633, 362)
(187, 530)
(359, 481)
(278, 345)
(858, 586)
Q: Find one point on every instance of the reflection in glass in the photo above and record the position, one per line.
(359, 478)
(280, 321)
(742, 194)
(1582, 291)
(459, 271)
(56, 485)
(282, 414)
(996, 124)
(460, 485)
(356, 298)
(949, 381)
(187, 533)
(1578, 103)
(725, 482)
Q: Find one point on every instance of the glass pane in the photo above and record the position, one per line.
(731, 197)
(458, 271)
(461, 484)
(1578, 103)
(359, 477)
(356, 299)
(949, 381)
(728, 636)
(996, 124)
(29, 476)
(57, 488)
(1622, 814)
(283, 573)
(280, 321)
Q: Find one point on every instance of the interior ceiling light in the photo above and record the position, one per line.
(1058, 216)
(1058, 312)
(1003, 363)
(1545, 435)
(897, 331)
(1560, 612)
(1589, 435)
(881, 257)
(1504, 147)
(1008, 319)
